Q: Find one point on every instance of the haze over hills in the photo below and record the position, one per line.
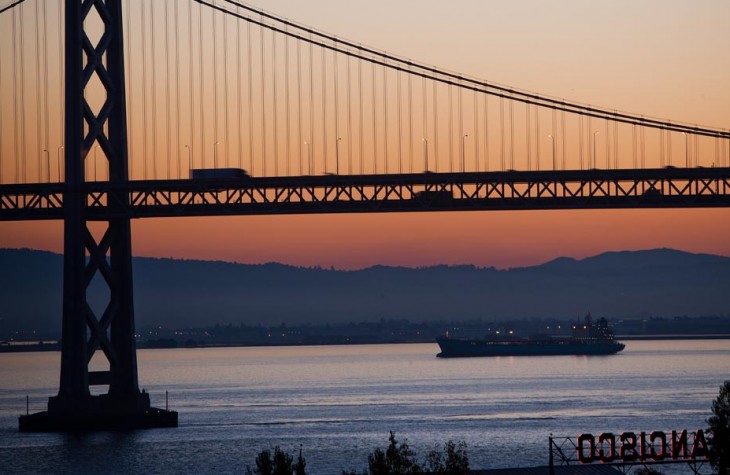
(180, 293)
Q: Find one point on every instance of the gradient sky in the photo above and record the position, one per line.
(659, 58)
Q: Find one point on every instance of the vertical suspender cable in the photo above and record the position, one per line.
(299, 105)
(527, 128)
(191, 95)
(608, 147)
(537, 138)
(349, 118)
(201, 86)
(263, 102)
(39, 113)
(501, 130)
(23, 148)
(669, 148)
(486, 131)
(361, 136)
(239, 98)
(562, 138)
(154, 91)
(511, 135)
(461, 131)
(214, 77)
(475, 99)
(23, 153)
(434, 86)
(554, 134)
(167, 91)
(226, 102)
(580, 141)
(375, 131)
(424, 137)
(249, 70)
(324, 109)
(143, 22)
(615, 145)
(633, 146)
(336, 81)
(385, 119)
(16, 111)
(287, 155)
(310, 153)
(410, 122)
(178, 112)
(451, 129)
(661, 147)
(275, 108)
(400, 122)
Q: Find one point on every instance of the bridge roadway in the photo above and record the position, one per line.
(508, 190)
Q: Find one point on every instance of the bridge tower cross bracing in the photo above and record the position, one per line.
(84, 332)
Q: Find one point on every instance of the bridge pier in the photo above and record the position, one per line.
(84, 333)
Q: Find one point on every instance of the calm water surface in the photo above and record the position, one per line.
(339, 402)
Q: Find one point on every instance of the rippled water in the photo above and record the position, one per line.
(339, 402)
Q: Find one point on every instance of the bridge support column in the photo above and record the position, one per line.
(85, 256)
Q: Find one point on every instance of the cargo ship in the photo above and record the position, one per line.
(588, 338)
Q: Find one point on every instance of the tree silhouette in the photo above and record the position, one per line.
(280, 464)
(719, 438)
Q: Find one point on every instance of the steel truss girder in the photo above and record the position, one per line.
(110, 257)
(708, 187)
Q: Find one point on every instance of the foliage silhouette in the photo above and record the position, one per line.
(400, 459)
(719, 437)
(280, 464)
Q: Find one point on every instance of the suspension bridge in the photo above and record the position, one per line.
(109, 106)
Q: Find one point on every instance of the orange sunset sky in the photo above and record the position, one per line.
(661, 58)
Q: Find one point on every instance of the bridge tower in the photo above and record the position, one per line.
(84, 332)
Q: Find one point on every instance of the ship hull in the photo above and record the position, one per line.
(454, 348)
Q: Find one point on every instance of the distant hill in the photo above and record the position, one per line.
(182, 293)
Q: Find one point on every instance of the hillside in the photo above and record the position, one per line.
(196, 293)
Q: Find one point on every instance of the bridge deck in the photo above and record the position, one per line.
(510, 190)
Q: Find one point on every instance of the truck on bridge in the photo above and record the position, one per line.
(218, 174)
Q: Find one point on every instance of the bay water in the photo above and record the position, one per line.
(338, 403)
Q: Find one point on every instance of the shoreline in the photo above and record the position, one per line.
(21, 348)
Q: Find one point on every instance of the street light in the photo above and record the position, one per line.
(59, 162)
(594, 148)
(190, 161)
(425, 154)
(309, 157)
(552, 139)
(337, 155)
(463, 164)
(215, 154)
(48, 164)
(686, 150)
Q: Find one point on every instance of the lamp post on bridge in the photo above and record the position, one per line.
(425, 154)
(463, 152)
(58, 152)
(686, 150)
(190, 161)
(552, 140)
(309, 157)
(594, 149)
(48, 164)
(215, 154)
(337, 155)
